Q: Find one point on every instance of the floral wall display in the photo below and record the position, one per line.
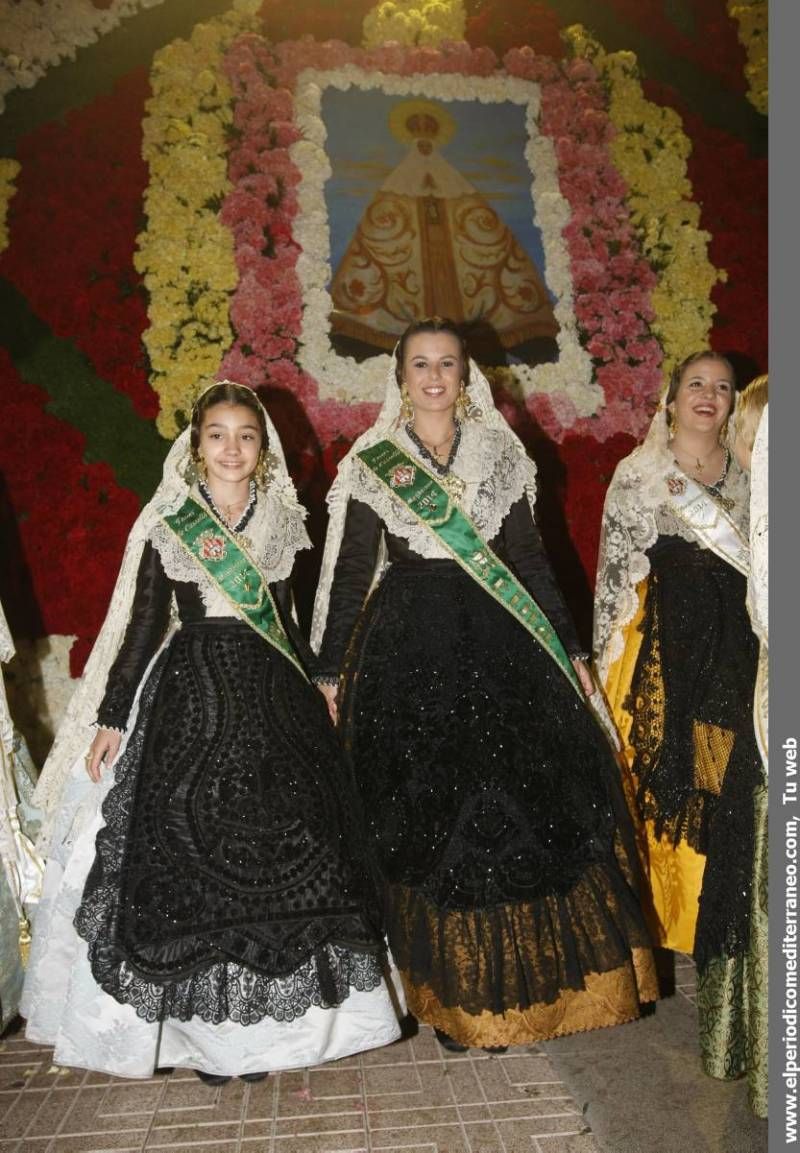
(36, 34)
(182, 223)
(753, 19)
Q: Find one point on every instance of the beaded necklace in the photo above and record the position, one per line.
(438, 467)
(451, 483)
(716, 487)
(247, 512)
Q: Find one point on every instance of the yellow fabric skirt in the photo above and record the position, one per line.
(674, 872)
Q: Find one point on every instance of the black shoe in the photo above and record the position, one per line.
(447, 1042)
(495, 1048)
(212, 1078)
(252, 1077)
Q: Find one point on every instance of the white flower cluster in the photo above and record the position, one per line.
(36, 34)
(342, 378)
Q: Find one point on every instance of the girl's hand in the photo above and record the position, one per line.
(104, 747)
(584, 676)
(331, 693)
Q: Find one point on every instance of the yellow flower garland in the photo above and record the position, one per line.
(414, 22)
(185, 254)
(650, 152)
(9, 169)
(753, 19)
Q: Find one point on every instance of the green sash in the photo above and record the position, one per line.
(223, 558)
(424, 496)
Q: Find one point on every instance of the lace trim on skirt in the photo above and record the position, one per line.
(221, 990)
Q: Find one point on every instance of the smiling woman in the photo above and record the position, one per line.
(678, 660)
(493, 802)
(699, 402)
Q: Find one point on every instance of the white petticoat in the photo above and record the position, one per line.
(65, 1007)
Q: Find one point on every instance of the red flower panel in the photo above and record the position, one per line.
(73, 223)
(72, 521)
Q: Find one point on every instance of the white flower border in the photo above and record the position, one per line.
(344, 379)
(36, 34)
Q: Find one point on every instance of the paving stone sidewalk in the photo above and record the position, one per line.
(411, 1096)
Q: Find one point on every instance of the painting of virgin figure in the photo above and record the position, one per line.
(428, 241)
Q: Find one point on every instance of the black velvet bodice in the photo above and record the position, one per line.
(518, 544)
(149, 620)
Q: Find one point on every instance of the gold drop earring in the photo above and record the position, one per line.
(197, 469)
(406, 407)
(465, 408)
(264, 469)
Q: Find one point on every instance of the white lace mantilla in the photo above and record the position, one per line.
(490, 459)
(758, 580)
(6, 643)
(637, 511)
(274, 533)
(758, 584)
(490, 464)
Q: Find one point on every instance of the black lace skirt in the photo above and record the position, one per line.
(697, 762)
(492, 799)
(691, 695)
(229, 880)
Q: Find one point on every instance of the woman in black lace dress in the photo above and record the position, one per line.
(491, 794)
(215, 912)
(678, 659)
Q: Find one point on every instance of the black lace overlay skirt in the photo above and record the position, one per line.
(697, 761)
(229, 880)
(492, 798)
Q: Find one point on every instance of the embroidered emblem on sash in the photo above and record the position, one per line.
(402, 476)
(211, 545)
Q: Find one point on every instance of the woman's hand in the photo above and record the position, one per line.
(584, 676)
(105, 746)
(331, 693)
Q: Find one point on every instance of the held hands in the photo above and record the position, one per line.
(584, 676)
(330, 693)
(104, 747)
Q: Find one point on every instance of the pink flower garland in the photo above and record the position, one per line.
(611, 280)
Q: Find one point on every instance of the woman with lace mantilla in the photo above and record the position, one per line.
(492, 798)
(205, 903)
(678, 657)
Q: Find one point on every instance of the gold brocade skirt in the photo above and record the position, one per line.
(607, 999)
(732, 992)
(504, 958)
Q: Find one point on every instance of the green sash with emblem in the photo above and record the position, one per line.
(223, 558)
(434, 507)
